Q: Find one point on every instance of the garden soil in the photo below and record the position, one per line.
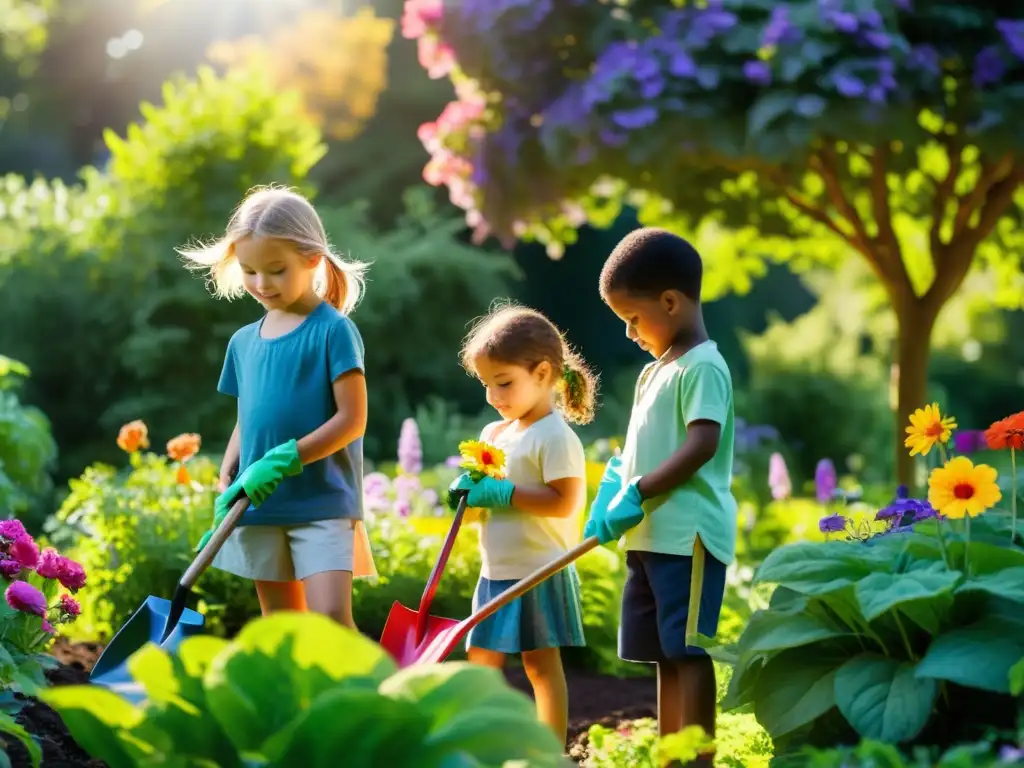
(593, 699)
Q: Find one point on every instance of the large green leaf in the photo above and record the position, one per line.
(770, 631)
(979, 655)
(813, 568)
(11, 728)
(794, 689)
(1017, 678)
(987, 558)
(881, 592)
(98, 720)
(278, 665)
(882, 699)
(1007, 583)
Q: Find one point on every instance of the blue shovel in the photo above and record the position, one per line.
(160, 621)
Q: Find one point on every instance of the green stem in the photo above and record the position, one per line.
(871, 633)
(942, 453)
(967, 546)
(1013, 498)
(903, 634)
(942, 541)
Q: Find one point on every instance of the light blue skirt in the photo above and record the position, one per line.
(548, 616)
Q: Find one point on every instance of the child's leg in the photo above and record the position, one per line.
(485, 657)
(323, 553)
(330, 593)
(687, 695)
(280, 596)
(544, 670)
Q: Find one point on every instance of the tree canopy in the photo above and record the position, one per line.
(796, 131)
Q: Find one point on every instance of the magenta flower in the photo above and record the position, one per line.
(9, 568)
(48, 627)
(402, 508)
(25, 551)
(70, 606)
(12, 529)
(778, 477)
(969, 441)
(22, 596)
(71, 575)
(49, 564)
(825, 480)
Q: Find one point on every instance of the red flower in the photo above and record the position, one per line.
(1006, 433)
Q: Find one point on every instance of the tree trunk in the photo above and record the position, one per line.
(913, 353)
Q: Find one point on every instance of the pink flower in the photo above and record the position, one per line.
(25, 550)
(48, 627)
(9, 568)
(427, 134)
(12, 529)
(69, 605)
(49, 564)
(22, 596)
(72, 575)
(436, 57)
(778, 477)
(420, 15)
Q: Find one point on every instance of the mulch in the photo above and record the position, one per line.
(593, 698)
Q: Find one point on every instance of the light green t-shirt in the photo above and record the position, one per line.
(668, 396)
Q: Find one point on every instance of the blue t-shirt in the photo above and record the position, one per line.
(284, 391)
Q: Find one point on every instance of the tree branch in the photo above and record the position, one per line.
(973, 200)
(881, 209)
(959, 254)
(943, 191)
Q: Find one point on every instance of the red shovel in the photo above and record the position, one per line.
(407, 632)
(441, 642)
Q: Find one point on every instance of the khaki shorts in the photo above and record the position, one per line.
(293, 552)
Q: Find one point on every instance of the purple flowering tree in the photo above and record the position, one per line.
(796, 131)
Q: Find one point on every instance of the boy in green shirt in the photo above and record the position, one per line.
(669, 494)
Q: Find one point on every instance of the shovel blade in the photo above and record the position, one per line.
(145, 626)
(399, 635)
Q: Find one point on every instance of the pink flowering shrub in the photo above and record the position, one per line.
(35, 604)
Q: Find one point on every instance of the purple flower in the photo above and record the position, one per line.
(842, 21)
(22, 596)
(402, 508)
(632, 119)
(989, 66)
(758, 72)
(926, 58)
(877, 39)
(376, 485)
(453, 461)
(779, 28)
(832, 524)
(406, 486)
(848, 85)
(825, 480)
(778, 477)
(1011, 755)
(903, 507)
(410, 449)
(1012, 31)
(9, 568)
(12, 529)
(969, 441)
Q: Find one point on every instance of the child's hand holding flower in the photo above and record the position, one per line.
(484, 482)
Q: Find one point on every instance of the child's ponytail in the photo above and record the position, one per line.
(577, 390)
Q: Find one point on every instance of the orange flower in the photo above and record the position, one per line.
(1006, 433)
(183, 477)
(184, 447)
(133, 436)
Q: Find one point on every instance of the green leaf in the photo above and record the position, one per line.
(1008, 583)
(98, 719)
(987, 558)
(278, 664)
(881, 592)
(813, 568)
(1017, 678)
(11, 728)
(882, 699)
(794, 689)
(978, 656)
(767, 109)
(771, 631)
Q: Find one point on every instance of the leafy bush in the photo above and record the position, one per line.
(27, 450)
(739, 743)
(298, 689)
(858, 633)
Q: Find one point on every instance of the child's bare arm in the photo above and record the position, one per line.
(232, 454)
(348, 424)
(701, 443)
(559, 498)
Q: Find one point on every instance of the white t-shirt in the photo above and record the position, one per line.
(513, 544)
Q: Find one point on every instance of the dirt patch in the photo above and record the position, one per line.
(593, 698)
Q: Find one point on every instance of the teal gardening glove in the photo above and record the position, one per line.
(624, 512)
(257, 482)
(611, 484)
(485, 492)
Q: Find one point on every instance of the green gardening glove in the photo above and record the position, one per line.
(258, 481)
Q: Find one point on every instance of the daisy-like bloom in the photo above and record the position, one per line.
(184, 447)
(478, 456)
(1006, 433)
(960, 488)
(133, 436)
(927, 427)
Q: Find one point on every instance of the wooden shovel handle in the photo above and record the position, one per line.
(207, 553)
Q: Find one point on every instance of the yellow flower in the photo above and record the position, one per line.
(928, 427)
(478, 456)
(959, 488)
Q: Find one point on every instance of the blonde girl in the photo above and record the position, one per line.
(297, 374)
(536, 384)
